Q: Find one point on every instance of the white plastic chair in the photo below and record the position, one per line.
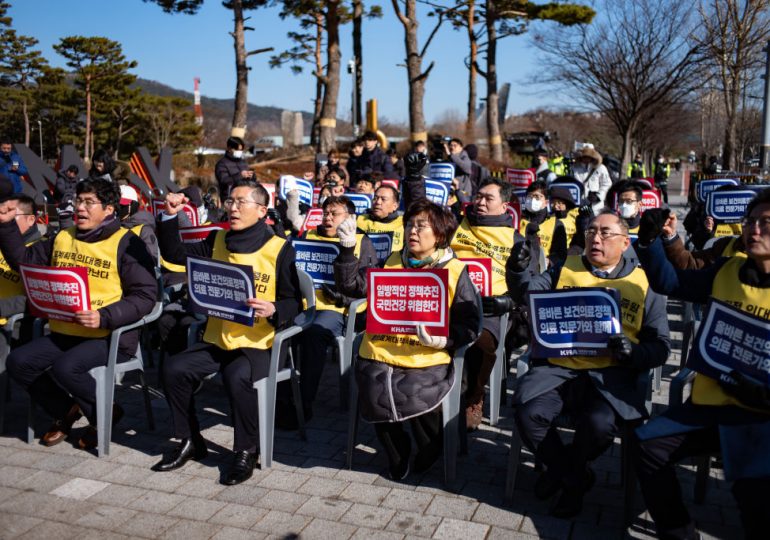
(345, 351)
(499, 373)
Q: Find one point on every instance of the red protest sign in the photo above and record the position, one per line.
(515, 210)
(197, 234)
(650, 199)
(159, 205)
(399, 299)
(56, 293)
(316, 195)
(520, 178)
(270, 188)
(313, 219)
(480, 272)
(390, 182)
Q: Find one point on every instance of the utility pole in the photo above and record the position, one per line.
(40, 132)
(355, 113)
(764, 154)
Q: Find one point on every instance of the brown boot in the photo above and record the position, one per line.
(61, 428)
(474, 415)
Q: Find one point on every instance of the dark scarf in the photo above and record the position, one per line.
(104, 230)
(537, 217)
(752, 276)
(248, 240)
(634, 221)
(387, 219)
(501, 220)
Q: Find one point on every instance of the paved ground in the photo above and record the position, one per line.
(64, 492)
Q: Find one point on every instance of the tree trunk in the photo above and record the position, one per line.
(470, 121)
(628, 142)
(415, 75)
(731, 117)
(358, 13)
(493, 125)
(241, 69)
(87, 150)
(315, 129)
(328, 120)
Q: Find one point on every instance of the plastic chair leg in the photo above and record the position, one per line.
(30, 421)
(266, 421)
(701, 478)
(344, 362)
(449, 409)
(352, 424)
(514, 456)
(657, 378)
(495, 391)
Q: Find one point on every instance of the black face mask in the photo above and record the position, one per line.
(560, 214)
(535, 163)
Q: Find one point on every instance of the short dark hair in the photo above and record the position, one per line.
(369, 136)
(607, 212)
(506, 188)
(763, 197)
(632, 186)
(441, 219)
(396, 193)
(538, 185)
(234, 143)
(73, 168)
(340, 200)
(357, 142)
(106, 191)
(26, 202)
(456, 140)
(261, 196)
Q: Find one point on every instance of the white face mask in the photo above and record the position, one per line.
(627, 210)
(203, 214)
(533, 205)
(237, 154)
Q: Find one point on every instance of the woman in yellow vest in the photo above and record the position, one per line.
(733, 419)
(406, 378)
(599, 392)
(122, 288)
(241, 353)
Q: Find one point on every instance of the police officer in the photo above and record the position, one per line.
(661, 172)
(636, 168)
(716, 413)
(240, 353)
(122, 288)
(599, 392)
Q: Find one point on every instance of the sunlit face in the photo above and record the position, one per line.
(488, 201)
(420, 237)
(334, 176)
(333, 215)
(370, 145)
(243, 210)
(756, 233)
(384, 203)
(365, 187)
(99, 166)
(558, 205)
(357, 150)
(90, 211)
(455, 147)
(605, 241)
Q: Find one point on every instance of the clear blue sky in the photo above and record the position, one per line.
(173, 49)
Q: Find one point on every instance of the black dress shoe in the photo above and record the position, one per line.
(188, 449)
(241, 469)
(547, 484)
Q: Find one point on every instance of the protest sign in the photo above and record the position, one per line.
(731, 339)
(480, 272)
(521, 193)
(575, 189)
(220, 289)
(383, 245)
(520, 178)
(313, 219)
(56, 293)
(574, 322)
(200, 233)
(728, 206)
(704, 187)
(437, 191)
(362, 201)
(270, 188)
(400, 299)
(316, 257)
(159, 206)
(650, 199)
(316, 196)
(391, 182)
(514, 209)
(304, 187)
(441, 171)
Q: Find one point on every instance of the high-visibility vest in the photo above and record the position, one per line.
(494, 242)
(320, 298)
(368, 225)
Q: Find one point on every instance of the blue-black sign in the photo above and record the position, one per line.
(521, 194)
(730, 339)
(305, 188)
(574, 322)
(383, 245)
(220, 289)
(728, 206)
(362, 201)
(705, 187)
(316, 257)
(442, 171)
(437, 191)
(575, 189)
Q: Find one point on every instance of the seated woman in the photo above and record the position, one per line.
(406, 379)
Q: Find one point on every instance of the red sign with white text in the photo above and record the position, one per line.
(520, 178)
(270, 188)
(480, 272)
(56, 293)
(390, 182)
(159, 205)
(399, 299)
(650, 199)
(197, 234)
(313, 219)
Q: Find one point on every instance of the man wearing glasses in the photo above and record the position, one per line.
(240, 353)
(733, 419)
(122, 289)
(383, 216)
(598, 392)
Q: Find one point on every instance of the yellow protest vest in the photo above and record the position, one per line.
(570, 224)
(230, 335)
(731, 250)
(633, 290)
(494, 242)
(368, 225)
(728, 288)
(10, 282)
(101, 261)
(544, 233)
(320, 299)
(406, 350)
(727, 229)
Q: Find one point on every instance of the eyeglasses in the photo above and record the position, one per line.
(334, 214)
(19, 215)
(238, 203)
(628, 201)
(419, 227)
(604, 234)
(750, 223)
(88, 203)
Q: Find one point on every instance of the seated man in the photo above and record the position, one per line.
(240, 353)
(630, 206)
(140, 222)
(384, 217)
(368, 183)
(122, 288)
(599, 392)
(731, 418)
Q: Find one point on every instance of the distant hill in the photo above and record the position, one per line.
(220, 111)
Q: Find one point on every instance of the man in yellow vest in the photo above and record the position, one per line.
(719, 416)
(338, 227)
(551, 231)
(240, 353)
(599, 392)
(486, 231)
(122, 288)
(384, 217)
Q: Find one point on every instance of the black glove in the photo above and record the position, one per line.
(593, 197)
(651, 225)
(586, 212)
(747, 391)
(621, 349)
(332, 296)
(494, 306)
(521, 255)
(531, 229)
(414, 163)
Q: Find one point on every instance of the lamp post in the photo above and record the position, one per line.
(40, 132)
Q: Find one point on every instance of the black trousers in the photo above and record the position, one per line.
(655, 461)
(479, 362)
(596, 426)
(664, 191)
(313, 344)
(426, 430)
(54, 370)
(240, 368)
